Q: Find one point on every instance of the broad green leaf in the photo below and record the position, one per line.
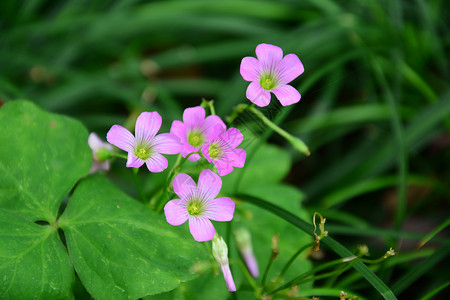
(121, 249)
(42, 155)
(269, 164)
(33, 261)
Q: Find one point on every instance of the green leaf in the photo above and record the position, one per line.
(121, 249)
(269, 164)
(33, 261)
(42, 156)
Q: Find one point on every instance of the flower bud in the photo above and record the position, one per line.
(244, 244)
(220, 252)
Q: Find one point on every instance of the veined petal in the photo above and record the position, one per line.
(201, 229)
(269, 56)
(289, 68)
(220, 209)
(250, 68)
(193, 117)
(224, 167)
(184, 186)
(166, 143)
(287, 95)
(133, 161)
(179, 129)
(257, 94)
(235, 157)
(233, 137)
(121, 138)
(156, 163)
(209, 184)
(176, 212)
(210, 124)
(147, 126)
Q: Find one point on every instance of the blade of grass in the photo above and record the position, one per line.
(339, 249)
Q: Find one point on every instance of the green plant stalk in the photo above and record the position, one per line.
(435, 291)
(295, 142)
(359, 266)
(434, 232)
(178, 164)
(249, 278)
(273, 256)
(289, 263)
(138, 184)
(324, 266)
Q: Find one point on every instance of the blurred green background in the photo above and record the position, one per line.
(375, 108)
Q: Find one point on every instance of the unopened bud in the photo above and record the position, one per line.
(244, 243)
(220, 253)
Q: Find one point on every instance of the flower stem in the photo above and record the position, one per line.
(118, 155)
(138, 184)
(295, 142)
(249, 278)
(289, 263)
(174, 171)
(210, 105)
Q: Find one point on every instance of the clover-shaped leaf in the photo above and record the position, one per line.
(118, 247)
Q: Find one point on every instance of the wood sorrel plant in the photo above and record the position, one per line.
(61, 225)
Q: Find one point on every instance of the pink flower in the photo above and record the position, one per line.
(198, 204)
(271, 73)
(195, 130)
(244, 244)
(100, 153)
(222, 151)
(147, 146)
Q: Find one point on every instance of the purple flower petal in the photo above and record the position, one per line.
(287, 95)
(209, 184)
(184, 186)
(289, 68)
(213, 123)
(176, 212)
(147, 126)
(156, 163)
(224, 167)
(236, 157)
(133, 161)
(121, 138)
(228, 278)
(233, 137)
(166, 143)
(250, 68)
(95, 143)
(179, 129)
(257, 94)
(220, 209)
(193, 117)
(201, 229)
(269, 56)
(252, 264)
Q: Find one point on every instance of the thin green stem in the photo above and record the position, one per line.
(311, 272)
(289, 263)
(295, 142)
(273, 256)
(118, 155)
(137, 182)
(249, 278)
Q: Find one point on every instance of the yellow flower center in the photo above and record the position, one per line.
(143, 152)
(195, 138)
(214, 151)
(267, 82)
(194, 207)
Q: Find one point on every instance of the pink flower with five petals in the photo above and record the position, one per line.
(146, 147)
(195, 130)
(198, 204)
(271, 73)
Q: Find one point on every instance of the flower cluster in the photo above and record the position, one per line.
(200, 136)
